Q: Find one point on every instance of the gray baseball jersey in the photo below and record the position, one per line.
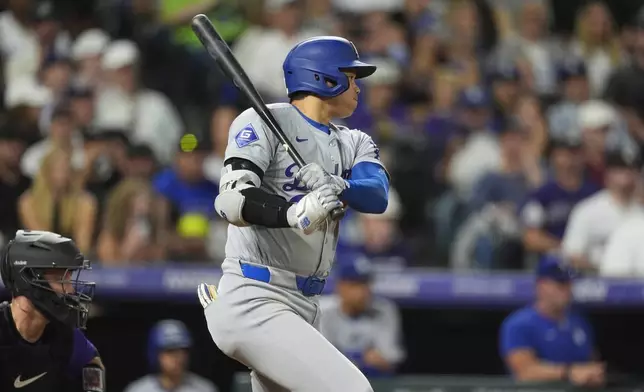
(191, 383)
(378, 328)
(337, 152)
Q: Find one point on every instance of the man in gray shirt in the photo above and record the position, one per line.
(366, 329)
(168, 355)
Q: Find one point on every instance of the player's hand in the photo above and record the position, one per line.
(314, 176)
(207, 293)
(313, 209)
(588, 374)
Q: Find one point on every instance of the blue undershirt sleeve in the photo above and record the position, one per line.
(368, 190)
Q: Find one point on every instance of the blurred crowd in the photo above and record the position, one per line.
(506, 139)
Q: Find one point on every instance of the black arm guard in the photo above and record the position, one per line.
(260, 207)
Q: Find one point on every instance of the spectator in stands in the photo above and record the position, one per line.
(47, 40)
(625, 88)
(563, 115)
(140, 162)
(548, 341)
(546, 211)
(56, 75)
(535, 50)
(382, 241)
(134, 226)
(272, 44)
(624, 254)
(490, 237)
(12, 182)
(461, 45)
(16, 26)
(366, 329)
(517, 174)
(597, 42)
(123, 103)
(57, 202)
(81, 104)
(168, 357)
(24, 101)
(381, 115)
(189, 196)
(597, 120)
(505, 80)
(480, 151)
(529, 112)
(105, 161)
(595, 219)
(86, 53)
(62, 135)
(381, 36)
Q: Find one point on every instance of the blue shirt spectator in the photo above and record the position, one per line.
(190, 197)
(548, 341)
(545, 213)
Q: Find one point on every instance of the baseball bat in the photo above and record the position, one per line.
(223, 56)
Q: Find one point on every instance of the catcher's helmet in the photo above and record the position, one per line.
(167, 335)
(314, 62)
(24, 264)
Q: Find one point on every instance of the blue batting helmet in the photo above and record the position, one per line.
(167, 335)
(314, 62)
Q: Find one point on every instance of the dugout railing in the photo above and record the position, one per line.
(465, 384)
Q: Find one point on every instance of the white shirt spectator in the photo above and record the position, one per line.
(480, 155)
(365, 6)
(624, 255)
(600, 66)
(592, 222)
(32, 158)
(262, 51)
(148, 115)
(14, 37)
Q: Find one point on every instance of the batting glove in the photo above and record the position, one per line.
(313, 176)
(207, 293)
(313, 209)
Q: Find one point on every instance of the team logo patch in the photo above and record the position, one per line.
(246, 136)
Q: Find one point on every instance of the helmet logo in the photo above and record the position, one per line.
(20, 262)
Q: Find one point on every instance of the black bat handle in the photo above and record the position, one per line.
(338, 213)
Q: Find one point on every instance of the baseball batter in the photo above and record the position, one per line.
(281, 240)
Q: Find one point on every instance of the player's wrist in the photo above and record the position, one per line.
(291, 216)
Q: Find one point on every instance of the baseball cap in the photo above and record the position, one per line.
(567, 143)
(551, 267)
(356, 268)
(595, 114)
(276, 5)
(618, 158)
(171, 334)
(90, 43)
(119, 54)
(473, 97)
(508, 73)
(570, 68)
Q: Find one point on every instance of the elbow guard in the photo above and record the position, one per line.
(230, 201)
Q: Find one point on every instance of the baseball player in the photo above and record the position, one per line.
(281, 240)
(42, 347)
(168, 354)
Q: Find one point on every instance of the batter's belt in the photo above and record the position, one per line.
(309, 286)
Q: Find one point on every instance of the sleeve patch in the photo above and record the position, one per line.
(246, 136)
